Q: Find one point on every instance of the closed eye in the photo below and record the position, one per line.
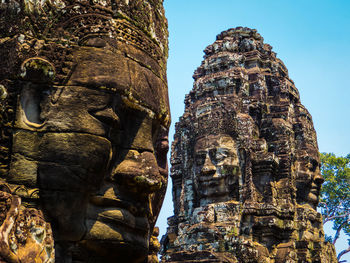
(220, 156)
(200, 158)
(222, 153)
(106, 116)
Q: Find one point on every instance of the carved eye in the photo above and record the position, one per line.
(200, 159)
(106, 116)
(221, 155)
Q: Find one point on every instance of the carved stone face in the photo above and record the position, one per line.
(309, 180)
(216, 169)
(97, 157)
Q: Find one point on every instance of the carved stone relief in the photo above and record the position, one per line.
(84, 124)
(245, 164)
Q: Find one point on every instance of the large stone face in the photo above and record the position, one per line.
(84, 123)
(245, 163)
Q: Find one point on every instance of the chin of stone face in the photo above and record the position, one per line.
(245, 163)
(84, 123)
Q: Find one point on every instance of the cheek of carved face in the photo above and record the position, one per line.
(62, 147)
(216, 168)
(308, 181)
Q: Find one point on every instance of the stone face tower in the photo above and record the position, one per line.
(245, 163)
(84, 118)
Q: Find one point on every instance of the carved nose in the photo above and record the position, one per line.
(208, 167)
(139, 170)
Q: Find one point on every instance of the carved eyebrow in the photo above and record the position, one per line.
(203, 152)
(221, 149)
(227, 151)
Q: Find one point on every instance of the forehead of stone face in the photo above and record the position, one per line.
(55, 28)
(308, 157)
(215, 141)
(106, 68)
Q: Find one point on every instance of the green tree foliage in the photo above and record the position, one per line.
(335, 196)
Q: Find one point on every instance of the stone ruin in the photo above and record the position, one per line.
(84, 118)
(245, 163)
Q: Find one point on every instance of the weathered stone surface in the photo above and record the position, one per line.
(25, 236)
(245, 164)
(84, 118)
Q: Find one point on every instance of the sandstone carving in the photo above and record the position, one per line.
(245, 164)
(84, 122)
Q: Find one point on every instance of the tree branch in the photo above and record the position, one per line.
(343, 253)
(334, 217)
(325, 204)
(337, 234)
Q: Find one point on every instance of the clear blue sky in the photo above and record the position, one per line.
(311, 37)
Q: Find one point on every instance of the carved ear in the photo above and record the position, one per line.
(38, 74)
(30, 104)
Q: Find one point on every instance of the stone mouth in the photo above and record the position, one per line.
(115, 250)
(138, 212)
(207, 179)
(315, 190)
(117, 216)
(215, 179)
(116, 225)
